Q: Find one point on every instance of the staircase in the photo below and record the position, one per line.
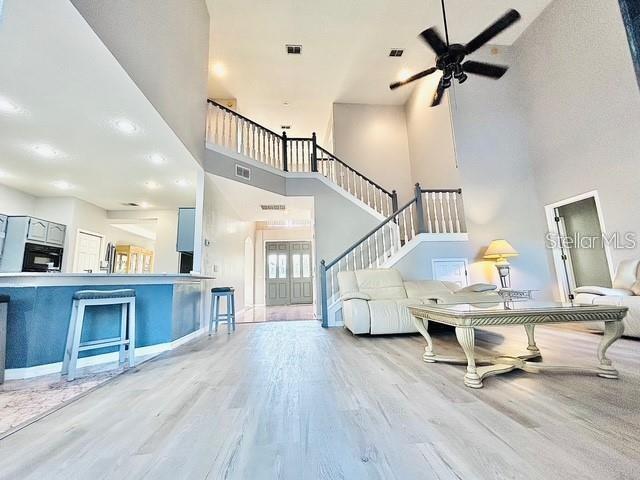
(436, 214)
(246, 137)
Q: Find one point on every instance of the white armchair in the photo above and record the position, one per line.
(375, 301)
(625, 292)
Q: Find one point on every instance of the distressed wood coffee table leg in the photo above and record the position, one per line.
(466, 338)
(612, 332)
(423, 325)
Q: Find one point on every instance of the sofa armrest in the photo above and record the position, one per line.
(615, 292)
(356, 315)
(355, 296)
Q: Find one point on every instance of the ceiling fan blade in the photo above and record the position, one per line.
(435, 41)
(485, 69)
(413, 78)
(439, 93)
(504, 22)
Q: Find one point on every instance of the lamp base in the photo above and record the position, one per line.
(505, 275)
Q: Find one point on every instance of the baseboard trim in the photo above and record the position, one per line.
(50, 368)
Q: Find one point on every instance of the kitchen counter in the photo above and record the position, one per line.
(168, 312)
(36, 279)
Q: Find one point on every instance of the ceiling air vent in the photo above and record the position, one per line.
(273, 207)
(243, 172)
(294, 49)
(396, 52)
(130, 204)
(285, 127)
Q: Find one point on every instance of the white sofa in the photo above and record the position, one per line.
(375, 301)
(625, 292)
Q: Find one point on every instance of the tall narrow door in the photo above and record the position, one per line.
(301, 278)
(88, 252)
(277, 270)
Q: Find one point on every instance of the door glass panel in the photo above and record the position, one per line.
(282, 266)
(295, 266)
(273, 260)
(306, 265)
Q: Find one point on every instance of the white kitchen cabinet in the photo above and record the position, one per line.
(55, 234)
(37, 231)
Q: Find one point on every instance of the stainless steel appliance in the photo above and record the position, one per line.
(41, 258)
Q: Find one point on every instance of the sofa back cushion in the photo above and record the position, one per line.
(347, 283)
(626, 274)
(381, 283)
(426, 288)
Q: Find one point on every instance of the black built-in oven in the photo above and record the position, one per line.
(41, 258)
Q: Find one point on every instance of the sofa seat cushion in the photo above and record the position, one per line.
(392, 316)
(427, 288)
(594, 290)
(381, 283)
(632, 320)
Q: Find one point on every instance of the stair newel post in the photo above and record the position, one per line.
(314, 153)
(324, 294)
(285, 162)
(420, 210)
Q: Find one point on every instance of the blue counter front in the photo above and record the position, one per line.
(38, 315)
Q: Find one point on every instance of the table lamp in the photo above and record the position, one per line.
(499, 250)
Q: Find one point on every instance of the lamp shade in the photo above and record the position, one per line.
(500, 248)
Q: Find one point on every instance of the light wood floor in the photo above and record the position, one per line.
(283, 313)
(294, 401)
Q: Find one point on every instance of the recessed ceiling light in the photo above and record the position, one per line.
(46, 151)
(125, 126)
(157, 159)
(151, 185)
(219, 70)
(62, 185)
(7, 106)
(404, 74)
(182, 182)
(4, 174)
(144, 205)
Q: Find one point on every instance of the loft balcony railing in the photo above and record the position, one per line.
(430, 211)
(242, 135)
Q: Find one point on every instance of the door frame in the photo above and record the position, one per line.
(556, 253)
(79, 232)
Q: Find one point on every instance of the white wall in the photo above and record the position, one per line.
(582, 107)
(271, 235)
(15, 202)
(499, 194)
(430, 135)
(373, 140)
(164, 47)
(224, 258)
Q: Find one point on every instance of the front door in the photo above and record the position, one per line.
(301, 282)
(278, 287)
(289, 275)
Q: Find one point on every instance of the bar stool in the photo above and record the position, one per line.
(4, 306)
(217, 293)
(85, 298)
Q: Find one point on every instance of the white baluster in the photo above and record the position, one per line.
(404, 225)
(444, 222)
(413, 228)
(447, 195)
(369, 251)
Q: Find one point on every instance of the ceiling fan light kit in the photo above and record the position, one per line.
(450, 57)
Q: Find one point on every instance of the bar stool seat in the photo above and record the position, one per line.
(217, 293)
(126, 340)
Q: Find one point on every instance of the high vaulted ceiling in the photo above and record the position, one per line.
(345, 47)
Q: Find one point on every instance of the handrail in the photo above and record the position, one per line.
(371, 232)
(355, 171)
(442, 190)
(213, 102)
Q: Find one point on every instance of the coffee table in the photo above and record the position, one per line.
(467, 317)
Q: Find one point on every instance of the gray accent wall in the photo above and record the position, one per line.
(582, 109)
(164, 47)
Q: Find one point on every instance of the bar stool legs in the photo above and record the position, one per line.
(229, 316)
(127, 331)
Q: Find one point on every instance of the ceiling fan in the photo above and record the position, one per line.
(449, 57)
